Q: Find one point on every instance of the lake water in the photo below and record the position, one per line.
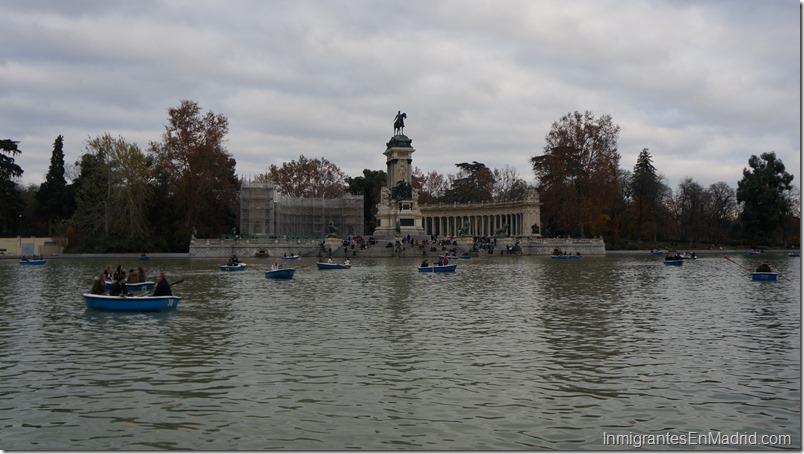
(508, 353)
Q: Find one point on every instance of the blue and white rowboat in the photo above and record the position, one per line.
(332, 266)
(138, 287)
(437, 269)
(130, 303)
(238, 267)
(33, 262)
(282, 273)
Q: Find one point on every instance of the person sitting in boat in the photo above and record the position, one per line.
(133, 277)
(162, 287)
(425, 263)
(119, 287)
(99, 284)
(119, 273)
(764, 268)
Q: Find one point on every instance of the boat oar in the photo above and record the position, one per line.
(732, 261)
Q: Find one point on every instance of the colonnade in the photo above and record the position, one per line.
(476, 225)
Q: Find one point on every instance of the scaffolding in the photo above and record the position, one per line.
(266, 211)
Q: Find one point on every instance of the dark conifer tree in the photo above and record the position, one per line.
(762, 192)
(10, 195)
(645, 195)
(54, 199)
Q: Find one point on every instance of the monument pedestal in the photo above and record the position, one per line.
(398, 213)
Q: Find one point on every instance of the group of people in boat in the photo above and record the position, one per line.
(442, 261)
(120, 278)
(678, 256)
(557, 251)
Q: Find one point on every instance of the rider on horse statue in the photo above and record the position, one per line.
(399, 122)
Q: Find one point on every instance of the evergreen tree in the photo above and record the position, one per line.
(474, 183)
(10, 194)
(645, 191)
(369, 185)
(762, 190)
(54, 200)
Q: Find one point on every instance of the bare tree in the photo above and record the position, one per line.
(431, 186)
(508, 185)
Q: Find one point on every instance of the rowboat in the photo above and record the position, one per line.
(764, 276)
(565, 257)
(130, 303)
(33, 262)
(332, 266)
(291, 257)
(137, 287)
(678, 262)
(437, 269)
(282, 273)
(239, 267)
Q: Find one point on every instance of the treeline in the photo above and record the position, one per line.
(125, 199)
(121, 198)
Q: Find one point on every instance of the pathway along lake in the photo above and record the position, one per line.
(508, 353)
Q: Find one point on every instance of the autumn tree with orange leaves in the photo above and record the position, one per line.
(316, 178)
(196, 169)
(577, 174)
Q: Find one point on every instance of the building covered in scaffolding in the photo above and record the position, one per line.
(264, 211)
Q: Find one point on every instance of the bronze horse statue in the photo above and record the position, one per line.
(399, 122)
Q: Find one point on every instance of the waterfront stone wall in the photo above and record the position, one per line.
(276, 248)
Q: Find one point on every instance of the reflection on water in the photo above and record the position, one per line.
(507, 353)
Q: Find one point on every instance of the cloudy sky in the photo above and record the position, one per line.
(702, 84)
